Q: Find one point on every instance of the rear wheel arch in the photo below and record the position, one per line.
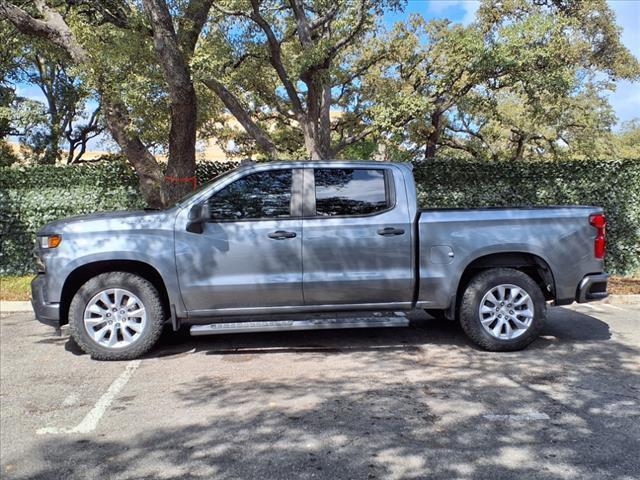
(529, 263)
(84, 273)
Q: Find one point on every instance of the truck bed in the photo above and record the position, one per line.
(451, 239)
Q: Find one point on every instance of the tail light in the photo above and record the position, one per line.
(598, 221)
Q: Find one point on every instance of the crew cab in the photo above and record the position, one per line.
(277, 238)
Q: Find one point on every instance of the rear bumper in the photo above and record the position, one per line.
(47, 313)
(592, 287)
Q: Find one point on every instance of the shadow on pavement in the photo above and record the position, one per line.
(408, 403)
(563, 325)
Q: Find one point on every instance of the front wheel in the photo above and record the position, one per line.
(502, 309)
(116, 316)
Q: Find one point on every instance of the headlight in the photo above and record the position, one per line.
(49, 241)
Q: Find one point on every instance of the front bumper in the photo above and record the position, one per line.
(47, 313)
(592, 287)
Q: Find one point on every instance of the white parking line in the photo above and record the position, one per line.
(518, 417)
(91, 419)
(586, 305)
(611, 306)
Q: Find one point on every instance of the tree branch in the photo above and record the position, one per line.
(191, 24)
(276, 58)
(362, 14)
(52, 28)
(303, 28)
(237, 110)
(354, 138)
(326, 18)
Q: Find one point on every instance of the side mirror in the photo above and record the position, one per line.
(198, 214)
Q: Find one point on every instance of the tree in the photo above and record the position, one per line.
(279, 68)
(7, 97)
(627, 140)
(524, 79)
(292, 78)
(46, 22)
(63, 119)
(7, 156)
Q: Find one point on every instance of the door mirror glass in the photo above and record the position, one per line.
(198, 214)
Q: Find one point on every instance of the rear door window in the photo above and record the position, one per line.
(346, 192)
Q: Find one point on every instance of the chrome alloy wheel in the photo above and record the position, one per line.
(115, 318)
(506, 311)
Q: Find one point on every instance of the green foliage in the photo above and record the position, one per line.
(124, 64)
(30, 197)
(627, 140)
(526, 79)
(33, 196)
(58, 122)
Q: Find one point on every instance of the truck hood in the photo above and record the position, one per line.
(114, 221)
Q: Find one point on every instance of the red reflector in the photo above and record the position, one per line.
(599, 221)
(599, 247)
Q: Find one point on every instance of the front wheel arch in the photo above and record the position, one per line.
(84, 273)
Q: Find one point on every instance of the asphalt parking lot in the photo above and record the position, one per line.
(418, 402)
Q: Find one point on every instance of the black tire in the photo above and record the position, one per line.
(140, 287)
(470, 306)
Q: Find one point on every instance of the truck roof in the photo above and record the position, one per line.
(324, 163)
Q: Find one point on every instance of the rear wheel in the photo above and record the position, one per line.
(502, 309)
(116, 316)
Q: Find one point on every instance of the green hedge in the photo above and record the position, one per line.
(30, 197)
(33, 196)
(611, 184)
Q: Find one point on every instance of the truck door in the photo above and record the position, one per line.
(357, 237)
(249, 255)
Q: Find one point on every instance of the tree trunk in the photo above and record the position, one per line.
(324, 122)
(316, 126)
(316, 145)
(181, 168)
(148, 169)
(434, 135)
(521, 143)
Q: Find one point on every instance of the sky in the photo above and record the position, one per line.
(625, 100)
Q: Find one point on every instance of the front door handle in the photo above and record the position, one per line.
(282, 234)
(389, 231)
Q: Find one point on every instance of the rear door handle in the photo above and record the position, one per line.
(282, 234)
(389, 231)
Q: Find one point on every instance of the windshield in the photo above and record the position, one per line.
(190, 195)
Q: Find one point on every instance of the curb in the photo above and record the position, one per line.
(15, 307)
(622, 298)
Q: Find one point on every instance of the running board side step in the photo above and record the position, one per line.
(290, 325)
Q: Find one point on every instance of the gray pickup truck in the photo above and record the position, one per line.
(305, 237)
